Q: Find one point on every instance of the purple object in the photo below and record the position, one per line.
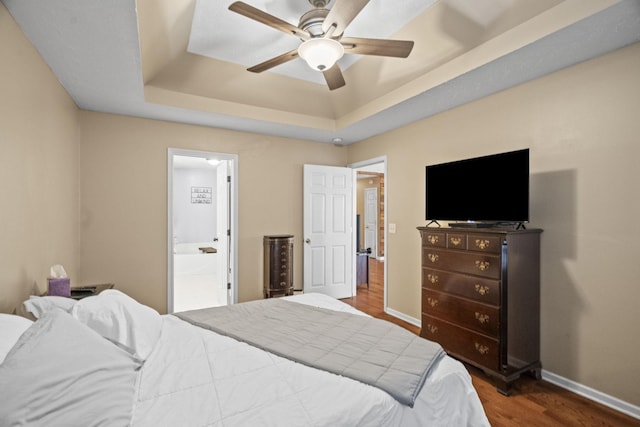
(60, 287)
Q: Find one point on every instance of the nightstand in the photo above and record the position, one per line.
(89, 290)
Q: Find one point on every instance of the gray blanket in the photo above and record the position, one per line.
(373, 351)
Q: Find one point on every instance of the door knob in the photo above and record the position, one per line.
(308, 241)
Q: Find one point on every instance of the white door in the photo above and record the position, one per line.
(328, 243)
(222, 230)
(371, 220)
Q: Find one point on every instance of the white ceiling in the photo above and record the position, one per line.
(96, 51)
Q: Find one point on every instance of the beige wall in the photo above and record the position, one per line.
(582, 126)
(124, 199)
(38, 171)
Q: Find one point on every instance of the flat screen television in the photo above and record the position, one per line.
(480, 191)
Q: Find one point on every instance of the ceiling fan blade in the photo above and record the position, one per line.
(334, 77)
(267, 19)
(341, 15)
(378, 47)
(285, 57)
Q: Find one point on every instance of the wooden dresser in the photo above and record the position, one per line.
(481, 298)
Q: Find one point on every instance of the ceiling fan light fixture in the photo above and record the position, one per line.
(321, 53)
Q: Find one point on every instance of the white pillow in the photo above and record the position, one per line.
(61, 373)
(11, 328)
(39, 305)
(121, 319)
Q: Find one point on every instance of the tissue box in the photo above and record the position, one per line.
(60, 287)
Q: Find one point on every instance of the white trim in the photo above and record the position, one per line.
(354, 255)
(402, 316)
(592, 394)
(170, 230)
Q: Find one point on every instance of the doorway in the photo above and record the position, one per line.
(370, 206)
(202, 237)
(330, 205)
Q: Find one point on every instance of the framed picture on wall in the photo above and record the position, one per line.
(201, 195)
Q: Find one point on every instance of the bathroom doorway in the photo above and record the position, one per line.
(202, 213)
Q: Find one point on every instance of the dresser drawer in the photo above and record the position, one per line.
(484, 265)
(435, 239)
(475, 288)
(485, 243)
(462, 342)
(457, 241)
(479, 317)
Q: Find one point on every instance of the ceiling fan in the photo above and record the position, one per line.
(321, 30)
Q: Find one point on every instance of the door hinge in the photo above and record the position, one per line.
(228, 286)
(228, 232)
(228, 178)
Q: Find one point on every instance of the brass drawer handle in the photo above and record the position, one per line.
(456, 241)
(482, 290)
(432, 328)
(482, 318)
(482, 265)
(432, 257)
(432, 239)
(482, 349)
(432, 302)
(433, 278)
(482, 243)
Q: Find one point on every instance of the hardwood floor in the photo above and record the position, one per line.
(533, 403)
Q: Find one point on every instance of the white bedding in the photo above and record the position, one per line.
(195, 377)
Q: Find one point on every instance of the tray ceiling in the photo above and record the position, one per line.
(186, 60)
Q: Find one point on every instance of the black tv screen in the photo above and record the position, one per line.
(491, 189)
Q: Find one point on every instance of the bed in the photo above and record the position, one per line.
(108, 360)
